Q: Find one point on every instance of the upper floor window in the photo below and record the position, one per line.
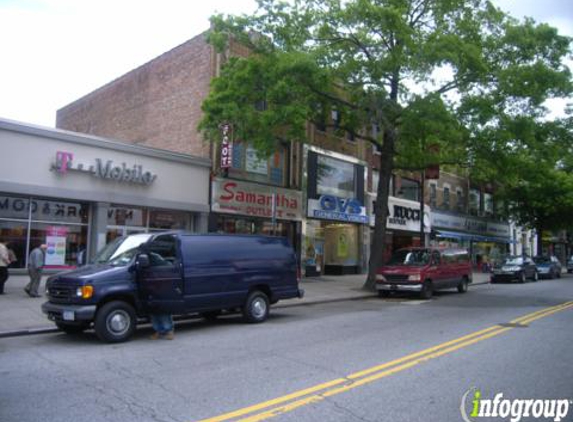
(433, 195)
(474, 202)
(409, 189)
(446, 199)
(248, 165)
(460, 200)
(335, 177)
(488, 204)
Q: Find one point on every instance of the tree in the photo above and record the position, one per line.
(444, 72)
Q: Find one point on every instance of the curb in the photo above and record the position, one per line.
(49, 330)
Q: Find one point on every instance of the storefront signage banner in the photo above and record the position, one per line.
(235, 197)
(403, 215)
(330, 207)
(469, 224)
(103, 169)
(56, 246)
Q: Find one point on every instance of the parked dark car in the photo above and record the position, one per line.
(548, 266)
(425, 270)
(570, 265)
(174, 272)
(515, 268)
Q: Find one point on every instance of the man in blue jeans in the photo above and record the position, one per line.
(163, 326)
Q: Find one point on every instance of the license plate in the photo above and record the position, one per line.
(69, 316)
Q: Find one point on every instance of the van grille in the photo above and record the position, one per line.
(61, 294)
(396, 278)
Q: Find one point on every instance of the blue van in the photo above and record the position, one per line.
(174, 272)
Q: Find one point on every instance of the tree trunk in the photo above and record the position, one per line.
(381, 207)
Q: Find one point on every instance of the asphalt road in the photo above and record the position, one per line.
(370, 360)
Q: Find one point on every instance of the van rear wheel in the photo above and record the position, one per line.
(115, 322)
(256, 307)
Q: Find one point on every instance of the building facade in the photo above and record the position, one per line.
(75, 192)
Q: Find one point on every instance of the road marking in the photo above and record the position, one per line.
(320, 392)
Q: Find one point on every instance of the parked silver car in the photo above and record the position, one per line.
(548, 266)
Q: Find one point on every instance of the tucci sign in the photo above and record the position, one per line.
(330, 207)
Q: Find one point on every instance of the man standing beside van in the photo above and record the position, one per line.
(35, 266)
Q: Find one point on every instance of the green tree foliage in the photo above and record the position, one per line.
(457, 74)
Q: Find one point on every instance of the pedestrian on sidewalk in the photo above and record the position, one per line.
(35, 267)
(4, 262)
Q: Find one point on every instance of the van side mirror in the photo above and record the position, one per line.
(142, 261)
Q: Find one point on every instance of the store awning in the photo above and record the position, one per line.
(472, 237)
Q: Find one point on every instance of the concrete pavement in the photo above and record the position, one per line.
(21, 314)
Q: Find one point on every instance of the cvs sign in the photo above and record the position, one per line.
(330, 207)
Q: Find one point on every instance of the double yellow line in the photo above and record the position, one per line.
(320, 392)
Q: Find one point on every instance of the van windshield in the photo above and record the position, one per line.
(113, 253)
(410, 258)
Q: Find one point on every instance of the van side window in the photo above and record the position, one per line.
(163, 251)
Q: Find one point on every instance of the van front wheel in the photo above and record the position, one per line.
(463, 286)
(256, 307)
(115, 322)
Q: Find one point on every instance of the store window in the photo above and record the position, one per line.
(331, 245)
(248, 165)
(125, 220)
(27, 222)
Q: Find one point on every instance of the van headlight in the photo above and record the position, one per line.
(85, 292)
(414, 277)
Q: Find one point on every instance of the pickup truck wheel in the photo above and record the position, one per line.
(72, 328)
(256, 307)
(463, 286)
(427, 290)
(115, 322)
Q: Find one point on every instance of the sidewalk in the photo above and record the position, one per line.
(21, 315)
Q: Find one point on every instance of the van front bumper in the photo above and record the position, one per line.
(391, 287)
(69, 313)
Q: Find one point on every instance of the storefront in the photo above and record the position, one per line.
(251, 208)
(403, 223)
(488, 241)
(75, 192)
(334, 232)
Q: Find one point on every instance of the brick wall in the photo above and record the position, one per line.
(156, 105)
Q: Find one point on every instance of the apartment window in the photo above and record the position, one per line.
(474, 202)
(488, 204)
(433, 195)
(248, 165)
(460, 201)
(409, 189)
(446, 199)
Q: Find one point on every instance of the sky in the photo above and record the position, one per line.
(53, 52)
